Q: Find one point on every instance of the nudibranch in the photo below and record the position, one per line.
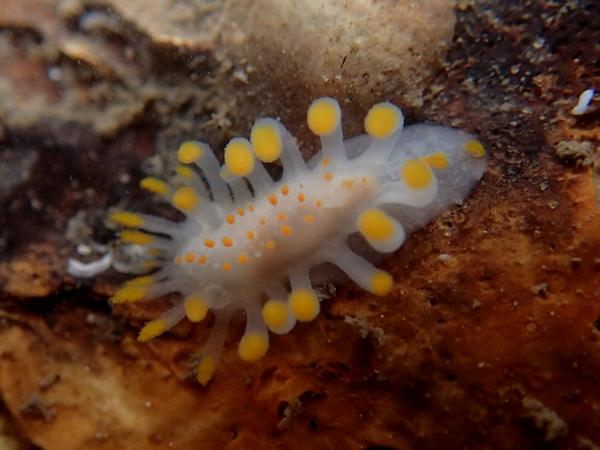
(248, 241)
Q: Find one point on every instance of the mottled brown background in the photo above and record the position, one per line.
(491, 337)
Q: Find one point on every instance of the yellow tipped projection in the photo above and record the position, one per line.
(437, 160)
(253, 346)
(126, 219)
(304, 304)
(184, 172)
(382, 120)
(155, 186)
(239, 158)
(381, 283)
(195, 308)
(144, 280)
(474, 148)
(275, 314)
(136, 237)
(416, 174)
(205, 370)
(189, 152)
(185, 198)
(323, 116)
(129, 293)
(152, 329)
(266, 142)
(376, 225)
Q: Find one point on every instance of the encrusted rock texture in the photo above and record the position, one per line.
(491, 336)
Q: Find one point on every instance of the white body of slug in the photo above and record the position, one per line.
(248, 241)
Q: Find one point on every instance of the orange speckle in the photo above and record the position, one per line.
(281, 217)
(230, 219)
(227, 241)
(209, 243)
(251, 207)
(243, 258)
(328, 176)
(319, 203)
(270, 245)
(240, 211)
(263, 221)
(272, 199)
(301, 197)
(250, 235)
(348, 184)
(285, 190)
(190, 257)
(227, 267)
(202, 260)
(286, 230)
(326, 162)
(309, 218)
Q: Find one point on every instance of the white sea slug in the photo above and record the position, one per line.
(248, 241)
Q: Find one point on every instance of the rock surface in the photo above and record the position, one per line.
(491, 337)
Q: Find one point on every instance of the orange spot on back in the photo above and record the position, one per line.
(227, 267)
(230, 219)
(328, 176)
(272, 199)
(325, 162)
(285, 190)
(240, 211)
(348, 184)
(251, 207)
(250, 235)
(202, 260)
(309, 218)
(301, 197)
(281, 217)
(286, 230)
(263, 221)
(209, 243)
(319, 203)
(270, 245)
(242, 259)
(190, 257)
(227, 241)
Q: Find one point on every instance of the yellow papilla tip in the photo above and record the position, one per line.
(185, 198)
(184, 172)
(266, 142)
(136, 237)
(323, 116)
(253, 346)
(152, 329)
(155, 186)
(129, 293)
(195, 308)
(375, 225)
(474, 148)
(382, 283)
(416, 174)
(275, 314)
(189, 152)
(126, 219)
(437, 160)
(205, 370)
(239, 158)
(140, 281)
(382, 120)
(304, 304)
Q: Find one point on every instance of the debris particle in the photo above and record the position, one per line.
(292, 410)
(365, 328)
(579, 153)
(583, 102)
(540, 289)
(545, 419)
